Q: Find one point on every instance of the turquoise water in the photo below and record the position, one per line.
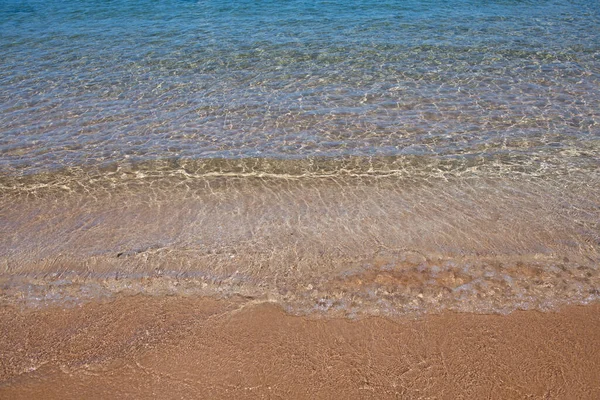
(95, 82)
(356, 157)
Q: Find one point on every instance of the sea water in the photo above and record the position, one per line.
(338, 157)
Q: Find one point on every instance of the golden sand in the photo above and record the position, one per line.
(189, 348)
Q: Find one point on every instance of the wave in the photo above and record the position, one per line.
(552, 165)
(355, 235)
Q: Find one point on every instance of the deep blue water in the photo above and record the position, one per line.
(90, 82)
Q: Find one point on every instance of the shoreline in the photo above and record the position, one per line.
(335, 244)
(173, 347)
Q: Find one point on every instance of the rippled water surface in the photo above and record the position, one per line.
(354, 156)
(88, 82)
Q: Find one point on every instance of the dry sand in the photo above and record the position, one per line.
(180, 348)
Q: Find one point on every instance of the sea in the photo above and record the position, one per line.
(339, 158)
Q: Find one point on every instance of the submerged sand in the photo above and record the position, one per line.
(351, 237)
(180, 348)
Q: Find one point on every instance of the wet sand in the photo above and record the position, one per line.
(353, 237)
(177, 348)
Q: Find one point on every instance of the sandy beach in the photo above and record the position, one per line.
(184, 348)
(299, 199)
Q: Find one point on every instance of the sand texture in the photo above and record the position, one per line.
(184, 348)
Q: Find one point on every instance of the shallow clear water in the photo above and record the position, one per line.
(365, 156)
(88, 82)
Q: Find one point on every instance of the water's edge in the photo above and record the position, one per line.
(350, 237)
